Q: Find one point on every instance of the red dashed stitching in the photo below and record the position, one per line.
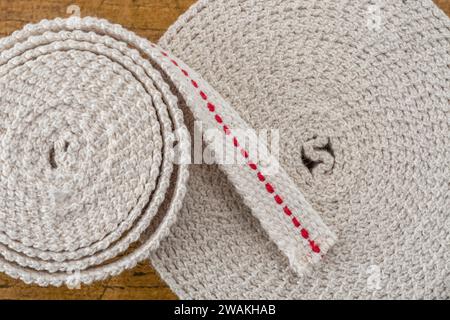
(314, 246)
(296, 222)
(270, 189)
(261, 177)
(218, 118)
(278, 199)
(304, 233)
(203, 95)
(287, 210)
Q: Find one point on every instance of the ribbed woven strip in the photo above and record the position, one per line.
(359, 91)
(90, 127)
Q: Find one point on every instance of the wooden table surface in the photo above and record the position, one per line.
(150, 19)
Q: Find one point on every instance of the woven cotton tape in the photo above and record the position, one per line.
(90, 126)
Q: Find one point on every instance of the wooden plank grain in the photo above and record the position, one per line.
(444, 5)
(141, 282)
(150, 19)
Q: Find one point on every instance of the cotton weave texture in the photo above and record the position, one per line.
(86, 152)
(95, 155)
(359, 91)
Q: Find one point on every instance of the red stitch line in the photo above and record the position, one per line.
(218, 118)
(203, 95)
(269, 188)
(313, 246)
(304, 233)
(261, 177)
(278, 199)
(287, 210)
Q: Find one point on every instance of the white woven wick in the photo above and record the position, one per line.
(87, 130)
(86, 152)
